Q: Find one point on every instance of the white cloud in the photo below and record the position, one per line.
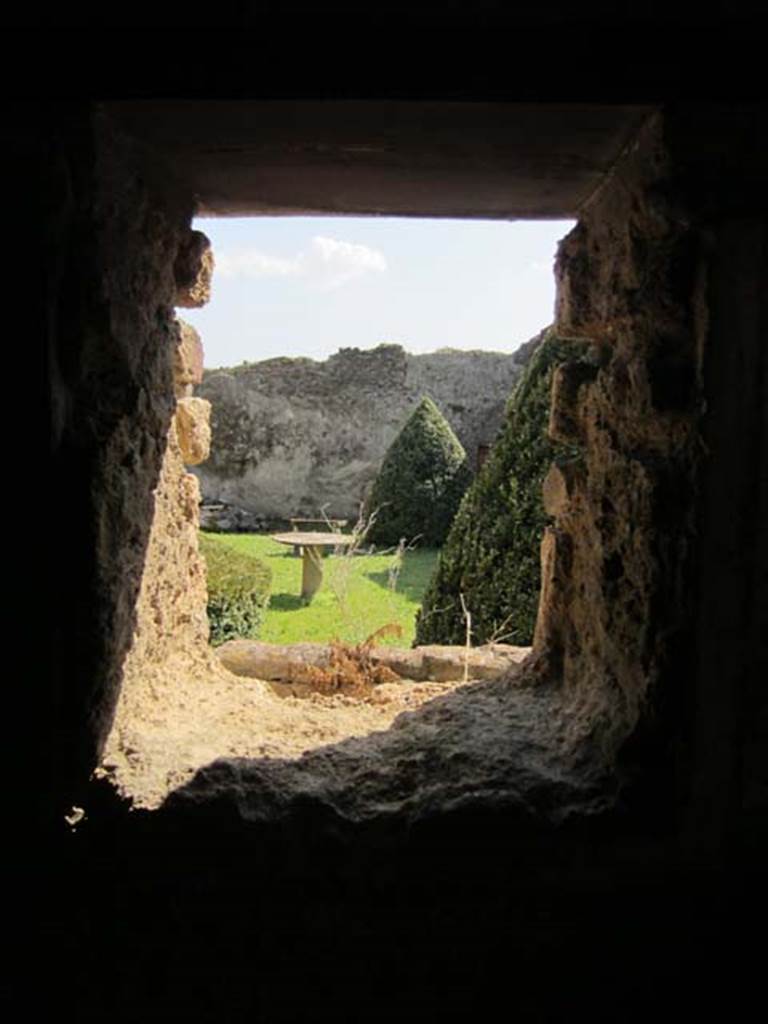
(330, 263)
(327, 263)
(254, 263)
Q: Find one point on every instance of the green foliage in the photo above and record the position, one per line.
(238, 591)
(370, 600)
(491, 555)
(421, 481)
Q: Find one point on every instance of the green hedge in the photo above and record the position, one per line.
(238, 591)
(492, 554)
(421, 481)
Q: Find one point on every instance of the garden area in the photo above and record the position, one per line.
(438, 592)
(360, 593)
(443, 558)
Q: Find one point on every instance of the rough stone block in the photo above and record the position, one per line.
(193, 429)
(559, 487)
(190, 499)
(567, 381)
(448, 663)
(556, 563)
(554, 492)
(271, 662)
(187, 360)
(408, 664)
(442, 664)
(193, 270)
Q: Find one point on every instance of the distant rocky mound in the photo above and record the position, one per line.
(290, 436)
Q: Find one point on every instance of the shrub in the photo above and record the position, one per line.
(421, 481)
(492, 554)
(238, 591)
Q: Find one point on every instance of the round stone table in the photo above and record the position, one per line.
(312, 559)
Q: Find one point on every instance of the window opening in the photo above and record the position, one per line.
(321, 338)
(313, 372)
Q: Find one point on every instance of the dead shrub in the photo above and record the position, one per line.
(350, 669)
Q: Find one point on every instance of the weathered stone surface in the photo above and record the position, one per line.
(278, 662)
(564, 419)
(293, 435)
(628, 280)
(130, 554)
(144, 578)
(554, 491)
(556, 550)
(189, 493)
(443, 663)
(485, 745)
(408, 663)
(561, 486)
(284, 662)
(170, 636)
(194, 430)
(193, 270)
(187, 360)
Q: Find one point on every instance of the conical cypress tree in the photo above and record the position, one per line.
(491, 554)
(421, 481)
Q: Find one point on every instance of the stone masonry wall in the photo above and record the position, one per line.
(616, 558)
(293, 435)
(618, 610)
(127, 583)
(170, 639)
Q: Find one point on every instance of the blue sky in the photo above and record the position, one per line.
(307, 286)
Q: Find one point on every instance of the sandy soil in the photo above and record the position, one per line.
(181, 718)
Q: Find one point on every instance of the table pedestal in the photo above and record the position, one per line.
(313, 544)
(311, 572)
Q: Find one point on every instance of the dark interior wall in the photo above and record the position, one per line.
(703, 738)
(727, 733)
(430, 50)
(551, 920)
(636, 278)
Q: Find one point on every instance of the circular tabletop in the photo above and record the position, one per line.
(313, 540)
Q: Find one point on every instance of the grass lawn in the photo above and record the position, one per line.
(356, 597)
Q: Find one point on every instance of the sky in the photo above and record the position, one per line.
(308, 286)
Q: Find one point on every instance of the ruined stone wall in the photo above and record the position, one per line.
(293, 435)
(170, 911)
(616, 560)
(170, 639)
(127, 584)
(662, 278)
